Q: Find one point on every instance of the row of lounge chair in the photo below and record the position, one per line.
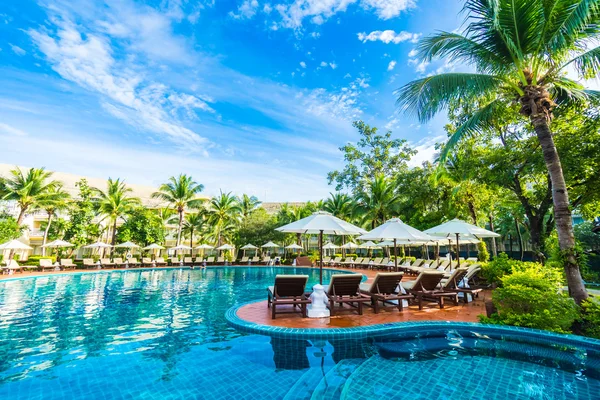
(387, 263)
(386, 289)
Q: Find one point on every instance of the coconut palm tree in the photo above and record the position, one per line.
(57, 200)
(248, 204)
(27, 190)
(194, 224)
(180, 193)
(223, 212)
(377, 201)
(521, 50)
(340, 205)
(115, 203)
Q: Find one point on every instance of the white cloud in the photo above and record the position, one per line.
(386, 9)
(419, 66)
(343, 104)
(333, 65)
(391, 65)
(315, 35)
(425, 150)
(267, 8)
(126, 93)
(302, 64)
(11, 130)
(246, 10)
(388, 36)
(323, 64)
(392, 123)
(17, 50)
(412, 53)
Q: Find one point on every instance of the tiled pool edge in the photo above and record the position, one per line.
(363, 332)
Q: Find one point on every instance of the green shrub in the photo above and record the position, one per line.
(494, 270)
(590, 319)
(482, 253)
(35, 260)
(531, 297)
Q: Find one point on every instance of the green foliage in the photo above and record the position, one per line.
(502, 266)
(115, 202)
(258, 228)
(531, 297)
(9, 229)
(590, 318)
(80, 225)
(142, 227)
(374, 154)
(482, 253)
(590, 241)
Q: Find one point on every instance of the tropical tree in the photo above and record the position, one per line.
(194, 224)
(377, 201)
(223, 211)
(339, 204)
(57, 200)
(27, 190)
(80, 229)
(521, 50)
(115, 203)
(248, 204)
(180, 193)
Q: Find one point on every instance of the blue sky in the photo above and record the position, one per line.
(248, 96)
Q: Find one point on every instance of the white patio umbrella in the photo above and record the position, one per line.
(181, 247)
(460, 229)
(270, 245)
(321, 223)
(154, 247)
(249, 246)
(350, 245)
(330, 246)
(203, 247)
(226, 247)
(294, 246)
(127, 245)
(98, 245)
(15, 245)
(58, 243)
(394, 229)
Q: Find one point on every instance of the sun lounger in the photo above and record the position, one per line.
(107, 263)
(383, 264)
(244, 260)
(146, 262)
(188, 261)
(89, 263)
(133, 262)
(326, 260)
(220, 260)
(426, 287)
(266, 260)
(67, 263)
(335, 261)
(290, 290)
(12, 267)
(173, 261)
(46, 265)
(471, 260)
(384, 289)
(345, 289)
(160, 261)
(118, 261)
(458, 283)
(210, 260)
(199, 261)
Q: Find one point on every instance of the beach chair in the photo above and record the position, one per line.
(66, 263)
(471, 260)
(345, 289)
(384, 289)
(133, 262)
(244, 260)
(118, 262)
(290, 290)
(220, 260)
(453, 284)
(210, 260)
(89, 263)
(160, 262)
(188, 261)
(12, 267)
(383, 264)
(326, 260)
(335, 261)
(199, 261)
(46, 265)
(173, 261)
(146, 262)
(266, 260)
(376, 261)
(255, 259)
(426, 287)
(106, 263)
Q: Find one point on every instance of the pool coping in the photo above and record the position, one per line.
(363, 332)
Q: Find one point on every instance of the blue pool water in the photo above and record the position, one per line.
(162, 334)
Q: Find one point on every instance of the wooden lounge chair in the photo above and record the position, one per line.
(199, 261)
(288, 289)
(107, 263)
(118, 261)
(146, 262)
(425, 287)
(345, 289)
(210, 260)
(133, 262)
(160, 262)
(66, 263)
(220, 260)
(173, 261)
(244, 260)
(453, 284)
(46, 265)
(255, 259)
(266, 260)
(89, 263)
(335, 261)
(188, 261)
(12, 267)
(326, 260)
(384, 289)
(383, 264)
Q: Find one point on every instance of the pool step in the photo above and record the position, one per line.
(304, 387)
(330, 387)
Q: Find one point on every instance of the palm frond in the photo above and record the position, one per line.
(565, 90)
(587, 64)
(427, 96)
(480, 121)
(520, 22)
(568, 21)
(458, 47)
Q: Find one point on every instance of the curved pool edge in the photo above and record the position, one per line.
(362, 332)
(168, 268)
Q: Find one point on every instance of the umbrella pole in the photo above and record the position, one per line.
(395, 257)
(457, 251)
(321, 257)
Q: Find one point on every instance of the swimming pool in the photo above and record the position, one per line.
(162, 334)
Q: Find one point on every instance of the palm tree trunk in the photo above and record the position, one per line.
(21, 215)
(46, 234)
(520, 237)
(562, 212)
(114, 233)
(494, 249)
(179, 228)
(192, 239)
